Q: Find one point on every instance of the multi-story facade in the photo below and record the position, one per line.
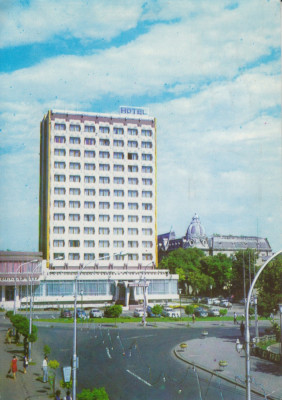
(98, 189)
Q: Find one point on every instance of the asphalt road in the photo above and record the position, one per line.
(138, 364)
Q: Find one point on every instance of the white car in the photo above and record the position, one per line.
(170, 312)
(96, 313)
(225, 303)
(215, 302)
(139, 312)
(214, 312)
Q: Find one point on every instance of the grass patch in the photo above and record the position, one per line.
(265, 345)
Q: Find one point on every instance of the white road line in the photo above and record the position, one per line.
(108, 352)
(140, 337)
(138, 377)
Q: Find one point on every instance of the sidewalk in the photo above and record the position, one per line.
(206, 352)
(26, 386)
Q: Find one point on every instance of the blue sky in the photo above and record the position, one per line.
(208, 71)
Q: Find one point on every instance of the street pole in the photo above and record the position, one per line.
(280, 310)
(256, 316)
(15, 288)
(180, 290)
(30, 322)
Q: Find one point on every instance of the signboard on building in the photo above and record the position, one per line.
(134, 110)
(138, 284)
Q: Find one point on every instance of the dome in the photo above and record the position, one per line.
(195, 229)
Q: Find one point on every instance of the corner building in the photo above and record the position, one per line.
(98, 189)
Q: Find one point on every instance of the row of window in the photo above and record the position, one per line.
(103, 192)
(102, 129)
(102, 179)
(102, 142)
(102, 230)
(103, 205)
(91, 256)
(103, 243)
(103, 218)
(102, 167)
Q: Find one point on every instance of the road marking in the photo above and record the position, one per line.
(138, 377)
(141, 336)
(108, 352)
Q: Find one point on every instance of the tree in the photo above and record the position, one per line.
(53, 364)
(219, 268)
(243, 269)
(113, 311)
(21, 325)
(95, 394)
(157, 310)
(189, 310)
(46, 350)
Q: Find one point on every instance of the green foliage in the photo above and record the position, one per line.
(219, 269)
(53, 364)
(251, 311)
(157, 309)
(46, 350)
(276, 330)
(21, 324)
(95, 394)
(113, 311)
(242, 261)
(66, 385)
(189, 309)
(9, 314)
(222, 312)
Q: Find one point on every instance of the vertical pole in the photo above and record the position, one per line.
(15, 295)
(74, 343)
(247, 358)
(280, 306)
(30, 321)
(256, 316)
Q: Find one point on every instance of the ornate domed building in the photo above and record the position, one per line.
(196, 235)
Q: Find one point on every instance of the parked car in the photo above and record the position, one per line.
(200, 312)
(216, 301)
(96, 313)
(207, 300)
(139, 312)
(151, 314)
(213, 312)
(80, 313)
(170, 312)
(66, 314)
(225, 304)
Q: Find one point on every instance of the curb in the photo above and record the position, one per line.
(226, 378)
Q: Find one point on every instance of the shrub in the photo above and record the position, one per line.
(223, 312)
(95, 394)
(189, 309)
(113, 311)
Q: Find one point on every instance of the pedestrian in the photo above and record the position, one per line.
(14, 366)
(9, 336)
(235, 318)
(45, 369)
(25, 363)
(242, 328)
(193, 318)
(57, 395)
(68, 396)
(272, 317)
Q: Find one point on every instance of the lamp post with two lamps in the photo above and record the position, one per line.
(16, 274)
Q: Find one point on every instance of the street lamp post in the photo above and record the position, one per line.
(81, 294)
(280, 311)
(179, 291)
(15, 289)
(256, 316)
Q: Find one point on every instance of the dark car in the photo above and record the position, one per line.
(200, 312)
(80, 313)
(151, 314)
(66, 314)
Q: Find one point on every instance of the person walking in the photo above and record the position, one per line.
(57, 395)
(9, 336)
(242, 328)
(235, 318)
(14, 366)
(68, 396)
(45, 369)
(193, 318)
(25, 363)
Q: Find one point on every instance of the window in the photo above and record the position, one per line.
(60, 127)
(132, 143)
(104, 142)
(89, 256)
(74, 191)
(89, 192)
(146, 132)
(104, 167)
(104, 179)
(118, 167)
(132, 181)
(61, 256)
(74, 128)
(89, 179)
(118, 155)
(104, 129)
(74, 217)
(73, 256)
(118, 131)
(147, 169)
(147, 231)
(74, 165)
(74, 243)
(118, 143)
(132, 168)
(118, 193)
(74, 140)
(58, 243)
(118, 231)
(89, 204)
(74, 153)
(89, 141)
(132, 132)
(104, 243)
(74, 230)
(147, 219)
(118, 243)
(89, 128)
(132, 156)
(89, 167)
(132, 243)
(104, 192)
(147, 256)
(59, 152)
(146, 145)
(59, 178)
(104, 255)
(74, 178)
(132, 218)
(118, 218)
(104, 218)
(132, 231)
(147, 157)
(59, 190)
(104, 154)
(59, 203)
(89, 230)
(118, 206)
(147, 206)
(59, 139)
(133, 206)
(147, 181)
(59, 229)
(133, 193)
(147, 193)
(89, 243)
(147, 244)
(89, 217)
(132, 257)
(104, 231)
(89, 154)
(59, 217)
(118, 180)
(74, 204)
(103, 205)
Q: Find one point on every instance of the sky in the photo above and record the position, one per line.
(209, 71)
